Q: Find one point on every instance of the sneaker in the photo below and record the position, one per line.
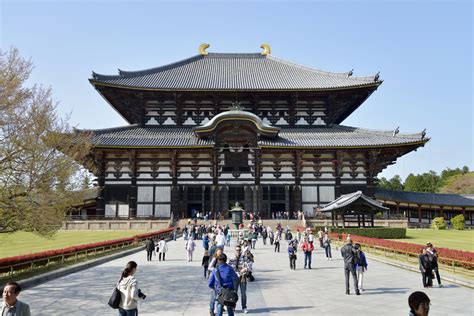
(357, 292)
(246, 311)
(347, 292)
(441, 285)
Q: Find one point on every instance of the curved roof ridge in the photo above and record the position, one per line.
(324, 72)
(136, 73)
(108, 129)
(388, 132)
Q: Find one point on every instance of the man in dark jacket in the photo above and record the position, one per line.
(150, 246)
(349, 254)
(425, 268)
(228, 280)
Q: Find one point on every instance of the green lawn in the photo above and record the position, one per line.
(20, 243)
(453, 239)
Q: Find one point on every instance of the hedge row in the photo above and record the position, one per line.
(64, 251)
(382, 232)
(446, 256)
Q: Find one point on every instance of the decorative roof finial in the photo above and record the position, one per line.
(377, 76)
(423, 134)
(266, 49)
(202, 49)
(396, 131)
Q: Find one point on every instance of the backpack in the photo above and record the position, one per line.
(357, 258)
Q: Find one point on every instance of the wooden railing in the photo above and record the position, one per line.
(23, 265)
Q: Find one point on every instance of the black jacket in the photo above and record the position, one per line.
(425, 264)
(348, 253)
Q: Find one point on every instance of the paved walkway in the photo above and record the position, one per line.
(176, 287)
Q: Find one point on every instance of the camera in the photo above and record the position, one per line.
(141, 295)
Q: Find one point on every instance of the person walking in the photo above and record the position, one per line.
(419, 304)
(205, 242)
(277, 240)
(264, 235)
(129, 291)
(205, 263)
(190, 246)
(327, 246)
(254, 237)
(223, 276)
(149, 247)
(349, 255)
(11, 306)
(307, 248)
(425, 268)
(271, 236)
(227, 238)
(292, 256)
(242, 266)
(361, 266)
(163, 249)
(433, 257)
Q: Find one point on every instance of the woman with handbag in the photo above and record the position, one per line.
(129, 292)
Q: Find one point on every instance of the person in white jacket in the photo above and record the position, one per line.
(129, 291)
(163, 248)
(190, 246)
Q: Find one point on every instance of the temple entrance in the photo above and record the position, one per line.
(277, 207)
(192, 209)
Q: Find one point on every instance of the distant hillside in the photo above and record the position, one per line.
(459, 184)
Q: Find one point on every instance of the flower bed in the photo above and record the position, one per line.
(44, 255)
(446, 256)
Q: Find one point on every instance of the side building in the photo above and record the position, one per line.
(218, 128)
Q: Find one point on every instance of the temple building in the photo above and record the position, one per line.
(217, 128)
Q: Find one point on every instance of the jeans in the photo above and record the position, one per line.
(212, 301)
(307, 259)
(128, 312)
(328, 251)
(277, 245)
(349, 268)
(230, 310)
(254, 241)
(243, 294)
(148, 255)
(293, 262)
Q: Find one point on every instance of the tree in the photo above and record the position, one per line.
(459, 184)
(395, 183)
(426, 182)
(38, 153)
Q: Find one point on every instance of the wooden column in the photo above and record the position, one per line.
(343, 220)
(287, 198)
(419, 214)
(132, 158)
(297, 195)
(363, 220)
(372, 219)
(101, 167)
(337, 173)
(358, 220)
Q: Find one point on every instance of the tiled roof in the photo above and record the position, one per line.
(218, 71)
(348, 199)
(423, 198)
(335, 136)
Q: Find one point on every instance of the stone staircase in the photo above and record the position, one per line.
(293, 224)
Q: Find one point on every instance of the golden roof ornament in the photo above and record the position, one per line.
(266, 49)
(202, 49)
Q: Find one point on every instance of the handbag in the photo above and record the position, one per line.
(115, 298)
(227, 297)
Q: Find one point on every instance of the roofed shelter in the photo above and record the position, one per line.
(353, 207)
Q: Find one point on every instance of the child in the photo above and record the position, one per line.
(227, 239)
(292, 256)
(205, 263)
(361, 266)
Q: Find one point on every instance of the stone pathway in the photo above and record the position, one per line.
(176, 287)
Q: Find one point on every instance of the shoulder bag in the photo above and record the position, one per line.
(115, 298)
(227, 297)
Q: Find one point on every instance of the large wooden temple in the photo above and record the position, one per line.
(217, 128)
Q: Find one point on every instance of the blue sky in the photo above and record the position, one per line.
(423, 50)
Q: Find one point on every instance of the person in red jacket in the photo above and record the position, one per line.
(307, 248)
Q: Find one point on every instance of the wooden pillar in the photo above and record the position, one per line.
(185, 202)
(358, 220)
(132, 158)
(441, 211)
(203, 199)
(287, 198)
(343, 220)
(398, 207)
(337, 173)
(372, 219)
(175, 207)
(248, 199)
(100, 201)
(363, 220)
(419, 214)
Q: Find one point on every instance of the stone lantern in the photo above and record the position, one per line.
(237, 215)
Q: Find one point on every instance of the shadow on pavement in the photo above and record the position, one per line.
(386, 290)
(275, 309)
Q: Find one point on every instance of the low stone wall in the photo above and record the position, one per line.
(396, 223)
(116, 225)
